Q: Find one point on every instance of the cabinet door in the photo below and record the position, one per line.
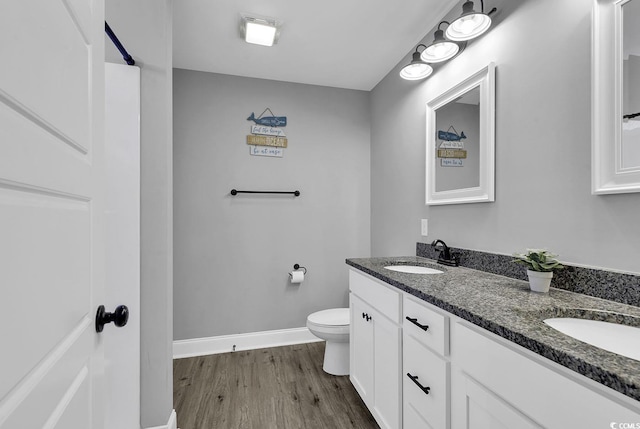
(387, 371)
(361, 349)
(413, 419)
(548, 394)
(484, 410)
(432, 371)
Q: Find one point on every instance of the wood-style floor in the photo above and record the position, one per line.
(275, 388)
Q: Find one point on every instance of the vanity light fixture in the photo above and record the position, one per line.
(447, 44)
(470, 24)
(259, 30)
(441, 49)
(417, 69)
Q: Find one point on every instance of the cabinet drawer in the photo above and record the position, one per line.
(382, 298)
(433, 372)
(436, 336)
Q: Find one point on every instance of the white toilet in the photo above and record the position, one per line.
(332, 326)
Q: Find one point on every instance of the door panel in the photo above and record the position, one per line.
(50, 267)
(41, 396)
(48, 48)
(51, 212)
(28, 151)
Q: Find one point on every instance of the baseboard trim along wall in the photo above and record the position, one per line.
(249, 341)
(171, 424)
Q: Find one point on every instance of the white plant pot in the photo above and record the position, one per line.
(539, 281)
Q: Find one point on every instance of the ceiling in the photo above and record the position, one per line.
(345, 44)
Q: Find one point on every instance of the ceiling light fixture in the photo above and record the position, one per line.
(416, 69)
(441, 49)
(470, 24)
(259, 30)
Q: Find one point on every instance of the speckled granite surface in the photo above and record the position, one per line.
(507, 307)
(619, 287)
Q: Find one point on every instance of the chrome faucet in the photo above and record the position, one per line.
(444, 256)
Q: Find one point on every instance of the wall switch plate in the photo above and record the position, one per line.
(424, 227)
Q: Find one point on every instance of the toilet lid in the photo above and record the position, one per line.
(331, 317)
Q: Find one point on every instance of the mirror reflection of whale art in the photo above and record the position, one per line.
(270, 121)
(451, 137)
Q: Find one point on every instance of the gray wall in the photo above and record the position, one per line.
(543, 154)
(233, 254)
(144, 27)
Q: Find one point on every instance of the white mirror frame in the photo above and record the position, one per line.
(485, 80)
(607, 174)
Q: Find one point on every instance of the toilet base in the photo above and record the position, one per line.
(336, 358)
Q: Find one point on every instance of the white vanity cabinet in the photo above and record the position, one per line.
(375, 347)
(417, 366)
(426, 367)
(497, 384)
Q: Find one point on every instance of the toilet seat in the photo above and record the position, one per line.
(332, 317)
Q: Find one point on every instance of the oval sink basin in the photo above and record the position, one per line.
(621, 339)
(413, 269)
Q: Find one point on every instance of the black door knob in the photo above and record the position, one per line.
(118, 317)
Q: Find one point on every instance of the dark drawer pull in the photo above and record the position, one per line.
(414, 320)
(414, 378)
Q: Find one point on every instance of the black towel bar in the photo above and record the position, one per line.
(235, 192)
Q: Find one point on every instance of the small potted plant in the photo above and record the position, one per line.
(540, 265)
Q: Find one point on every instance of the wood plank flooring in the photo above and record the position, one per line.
(275, 388)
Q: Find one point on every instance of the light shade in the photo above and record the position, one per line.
(469, 25)
(259, 31)
(416, 69)
(440, 50)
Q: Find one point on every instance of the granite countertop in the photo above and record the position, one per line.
(509, 309)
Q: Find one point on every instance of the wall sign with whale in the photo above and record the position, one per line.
(451, 149)
(267, 137)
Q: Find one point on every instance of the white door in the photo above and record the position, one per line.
(51, 213)
(122, 159)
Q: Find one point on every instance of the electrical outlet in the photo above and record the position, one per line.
(424, 226)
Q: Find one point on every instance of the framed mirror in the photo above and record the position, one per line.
(461, 142)
(615, 150)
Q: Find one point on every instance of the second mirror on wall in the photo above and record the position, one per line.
(616, 97)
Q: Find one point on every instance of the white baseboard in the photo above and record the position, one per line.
(250, 341)
(171, 424)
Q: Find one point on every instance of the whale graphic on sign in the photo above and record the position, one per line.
(269, 121)
(451, 137)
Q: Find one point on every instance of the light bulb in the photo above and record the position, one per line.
(439, 52)
(468, 27)
(416, 71)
